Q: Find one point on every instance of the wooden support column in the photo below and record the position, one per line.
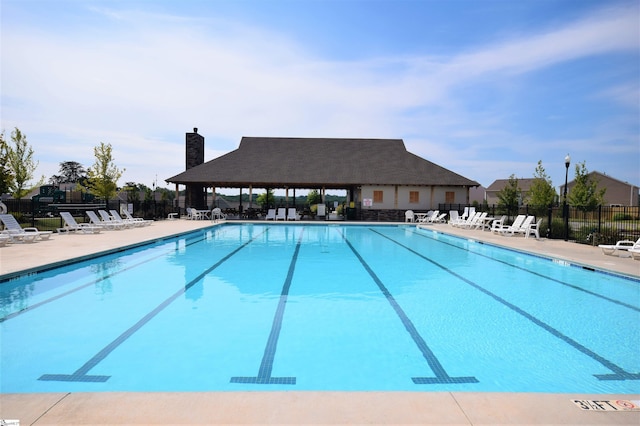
(432, 197)
(395, 197)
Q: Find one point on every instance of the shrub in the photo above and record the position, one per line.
(622, 216)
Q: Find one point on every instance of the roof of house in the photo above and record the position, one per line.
(500, 184)
(319, 162)
(599, 175)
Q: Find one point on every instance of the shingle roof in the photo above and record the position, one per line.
(500, 184)
(317, 162)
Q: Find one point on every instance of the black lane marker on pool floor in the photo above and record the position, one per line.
(80, 375)
(435, 365)
(619, 372)
(93, 282)
(566, 284)
(266, 366)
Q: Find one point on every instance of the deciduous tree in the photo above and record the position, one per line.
(510, 196)
(103, 175)
(585, 194)
(70, 172)
(21, 164)
(266, 199)
(541, 193)
(6, 176)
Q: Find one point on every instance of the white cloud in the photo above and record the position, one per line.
(149, 79)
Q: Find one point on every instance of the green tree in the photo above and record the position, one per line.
(21, 164)
(510, 196)
(103, 175)
(542, 194)
(585, 194)
(70, 172)
(6, 176)
(267, 199)
(314, 197)
(148, 194)
(133, 192)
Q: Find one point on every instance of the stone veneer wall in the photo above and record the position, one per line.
(194, 149)
(196, 195)
(369, 215)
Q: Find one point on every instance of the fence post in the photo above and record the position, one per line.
(600, 219)
(549, 218)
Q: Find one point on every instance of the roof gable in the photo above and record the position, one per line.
(500, 184)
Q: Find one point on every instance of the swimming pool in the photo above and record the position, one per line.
(320, 307)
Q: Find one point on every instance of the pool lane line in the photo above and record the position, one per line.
(266, 365)
(80, 375)
(93, 282)
(619, 372)
(566, 284)
(441, 376)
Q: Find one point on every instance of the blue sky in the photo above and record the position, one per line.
(484, 88)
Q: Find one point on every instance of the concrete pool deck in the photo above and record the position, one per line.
(296, 407)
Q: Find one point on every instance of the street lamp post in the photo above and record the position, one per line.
(565, 207)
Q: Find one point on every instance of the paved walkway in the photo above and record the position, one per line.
(291, 407)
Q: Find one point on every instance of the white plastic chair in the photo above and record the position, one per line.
(409, 216)
(216, 214)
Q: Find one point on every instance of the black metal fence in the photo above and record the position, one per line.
(46, 216)
(604, 225)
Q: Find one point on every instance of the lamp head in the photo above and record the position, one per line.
(567, 161)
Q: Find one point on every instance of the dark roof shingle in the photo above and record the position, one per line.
(316, 162)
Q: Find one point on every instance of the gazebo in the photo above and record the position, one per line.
(362, 167)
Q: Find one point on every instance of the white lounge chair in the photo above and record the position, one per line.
(292, 214)
(454, 217)
(635, 253)
(128, 216)
(533, 229)
(441, 218)
(115, 216)
(497, 224)
(4, 239)
(478, 220)
(96, 221)
(216, 214)
(282, 214)
(70, 225)
(519, 228)
(271, 215)
(432, 216)
(108, 218)
(471, 221)
(20, 234)
(465, 214)
(517, 223)
(409, 216)
(622, 246)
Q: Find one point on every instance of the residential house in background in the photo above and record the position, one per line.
(618, 193)
(491, 193)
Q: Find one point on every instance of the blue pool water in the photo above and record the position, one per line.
(316, 307)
